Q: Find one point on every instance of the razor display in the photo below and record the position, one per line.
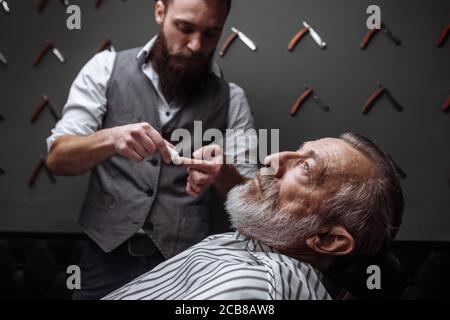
(37, 170)
(45, 104)
(50, 47)
(43, 3)
(443, 36)
(302, 32)
(309, 92)
(377, 95)
(400, 172)
(106, 45)
(235, 35)
(5, 6)
(446, 106)
(371, 33)
(98, 3)
(3, 59)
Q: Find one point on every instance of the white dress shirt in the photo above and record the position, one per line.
(87, 103)
(227, 266)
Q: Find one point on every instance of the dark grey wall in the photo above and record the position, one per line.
(417, 73)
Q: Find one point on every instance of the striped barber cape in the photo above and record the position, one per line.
(227, 266)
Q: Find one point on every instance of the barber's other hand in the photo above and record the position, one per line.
(139, 141)
(203, 169)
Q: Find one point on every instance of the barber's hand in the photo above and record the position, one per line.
(139, 141)
(203, 169)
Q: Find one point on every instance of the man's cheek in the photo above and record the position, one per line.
(289, 193)
(173, 38)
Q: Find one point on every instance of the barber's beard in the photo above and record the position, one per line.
(181, 76)
(259, 217)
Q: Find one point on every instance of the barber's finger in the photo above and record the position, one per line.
(199, 177)
(191, 192)
(144, 144)
(194, 186)
(170, 144)
(188, 161)
(160, 143)
(208, 152)
(200, 165)
(130, 153)
(149, 146)
(137, 147)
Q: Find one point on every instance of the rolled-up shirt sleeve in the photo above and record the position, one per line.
(86, 104)
(242, 121)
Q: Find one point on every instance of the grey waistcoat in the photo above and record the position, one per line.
(124, 196)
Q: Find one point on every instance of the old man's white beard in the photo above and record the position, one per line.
(261, 220)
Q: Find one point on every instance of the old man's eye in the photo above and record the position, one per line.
(305, 166)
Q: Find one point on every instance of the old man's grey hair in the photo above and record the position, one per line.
(371, 210)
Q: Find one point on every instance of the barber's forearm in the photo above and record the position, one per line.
(74, 155)
(228, 178)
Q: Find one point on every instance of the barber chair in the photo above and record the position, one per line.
(347, 279)
(33, 267)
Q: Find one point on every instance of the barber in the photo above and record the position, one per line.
(122, 109)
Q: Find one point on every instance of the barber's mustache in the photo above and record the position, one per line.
(190, 57)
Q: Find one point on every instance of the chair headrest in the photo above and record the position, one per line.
(353, 275)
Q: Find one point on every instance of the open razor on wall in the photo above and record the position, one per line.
(50, 47)
(384, 30)
(44, 104)
(3, 59)
(5, 6)
(446, 106)
(40, 166)
(382, 90)
(443, 36)
(236, 34)
(306, 29)
(43, 3)
(309, 92)
(106, 45)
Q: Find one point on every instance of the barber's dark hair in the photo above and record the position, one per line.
(227, 2)
(370, 210)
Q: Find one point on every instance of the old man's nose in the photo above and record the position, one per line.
(271, 164)
(278, 163)
(274, 163)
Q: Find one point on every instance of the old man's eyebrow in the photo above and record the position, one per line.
(310, 152)
(301, 146)
(319, 170)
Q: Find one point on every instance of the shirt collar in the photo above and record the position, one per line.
(148, 47)
(255, 245)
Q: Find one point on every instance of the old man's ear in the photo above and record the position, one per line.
(335, 241)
